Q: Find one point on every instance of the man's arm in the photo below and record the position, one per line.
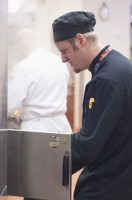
(101, 118)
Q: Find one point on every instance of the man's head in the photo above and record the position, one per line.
(26, 42)
(70, 33)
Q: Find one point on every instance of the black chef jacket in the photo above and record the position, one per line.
(103, 146)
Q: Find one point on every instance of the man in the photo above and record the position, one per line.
(103, 145)
(37, 89)
(36, 93)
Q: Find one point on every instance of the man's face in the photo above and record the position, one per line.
(73, 55)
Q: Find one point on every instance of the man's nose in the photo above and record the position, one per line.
(64, 58)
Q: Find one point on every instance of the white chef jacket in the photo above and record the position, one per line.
(37, 89)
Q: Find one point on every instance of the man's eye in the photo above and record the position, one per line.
(64, 51)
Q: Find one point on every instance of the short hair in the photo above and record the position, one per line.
(90, 36)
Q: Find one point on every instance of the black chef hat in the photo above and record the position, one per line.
(71, 23)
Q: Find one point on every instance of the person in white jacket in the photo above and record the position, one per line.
(38, 89)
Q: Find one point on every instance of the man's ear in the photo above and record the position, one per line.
(80, 39)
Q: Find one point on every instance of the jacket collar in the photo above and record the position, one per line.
(96, 63)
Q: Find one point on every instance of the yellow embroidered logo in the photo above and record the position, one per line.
(91, 101)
